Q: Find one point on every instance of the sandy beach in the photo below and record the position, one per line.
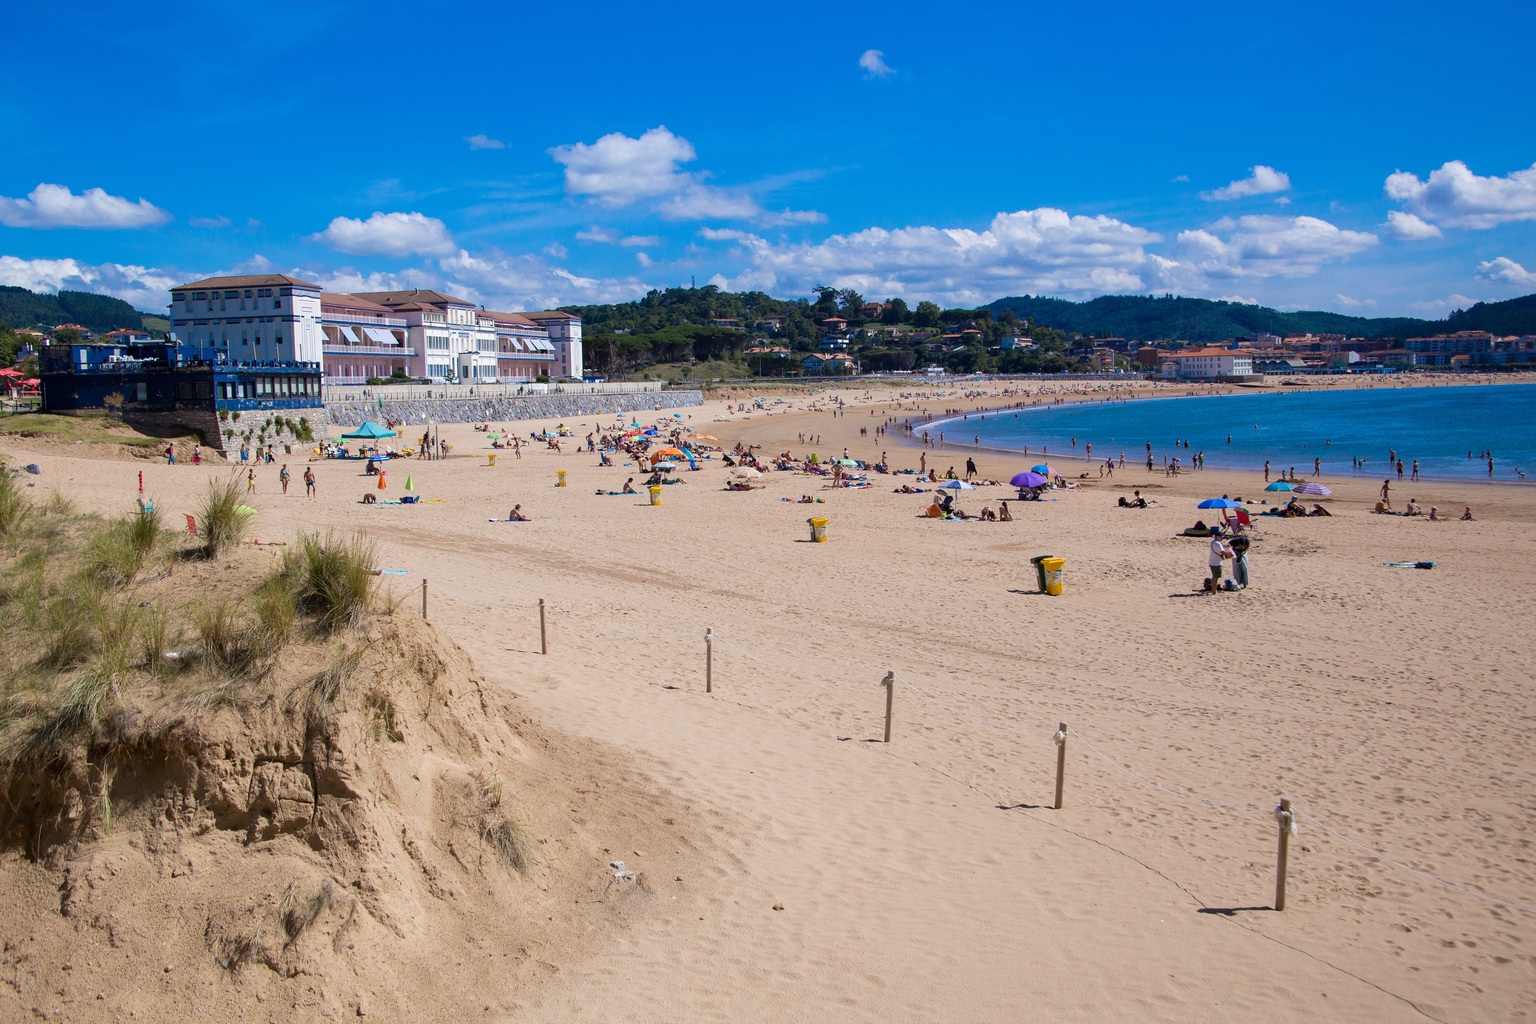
(815, 873)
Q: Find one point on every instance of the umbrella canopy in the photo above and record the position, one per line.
(702, 437)
(746, 471)
(665, 467)
(1280, 485)
(957, 485)
(1318, 489)
(11, 373)
(845, 462)
(1219, 503)
(1030, 479)
(1042, 468)
(369, 431)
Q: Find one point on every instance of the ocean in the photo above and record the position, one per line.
(1439, 426)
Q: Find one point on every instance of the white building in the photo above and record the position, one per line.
(1207, 364)
(259, 318)
(418, 331)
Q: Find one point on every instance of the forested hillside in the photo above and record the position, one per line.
(101, 313)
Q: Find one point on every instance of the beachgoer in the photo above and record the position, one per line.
(1266, 471)
(1318, 510)
(1003, 515)
(1412, 508)
(1466, 515)
(516, 515)
(1386, 491)
(250, 481)
(309, 481)
(1434, 513)
(170, 454)
(197, 455)
(283, 477)
(1220, 552)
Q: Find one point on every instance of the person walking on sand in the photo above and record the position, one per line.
(970, 469)
(170, 454)
(1266, 471)
(1415, 469)
(250, 481)
(1386, 491)
(1317, 467)
(197, 455)
(283, 477)
(309, 481)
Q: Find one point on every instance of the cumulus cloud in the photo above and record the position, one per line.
(484, 142)
(146, 288)
(1180, 178)
(1263, 181)
(618, 171)
(632, 240)
(1457, 198)
(1454, 301)
(1351, 302)
(1504, 270)
(209, 222)
(555, 250)
(597, 234)
(55, 206)
(1408, 227)
(388, 234)
(1044, 251)
(506, 281)
(874, 65)
(1269, 246)
(644, 260)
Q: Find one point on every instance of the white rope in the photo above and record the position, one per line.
(1286, 819)
(990, 723)
(1415, 871)
(1163, 789)
(785, 669)
(611, 631)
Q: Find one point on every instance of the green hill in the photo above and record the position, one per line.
(101, 313)
(1148, 318)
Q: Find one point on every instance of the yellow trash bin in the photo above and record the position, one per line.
(560, 482)
(1055, 571)
(818, 529)
(491, 460)
(655, 494)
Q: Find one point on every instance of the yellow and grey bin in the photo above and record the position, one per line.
(818, 529)
(491, 460)
(1055, 571)
(561, 481)
(655, 494)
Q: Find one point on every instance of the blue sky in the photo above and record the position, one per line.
(1376, 162)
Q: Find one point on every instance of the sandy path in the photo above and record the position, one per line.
(924, 881)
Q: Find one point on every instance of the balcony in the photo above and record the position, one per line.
(333, 349)
(344, 316)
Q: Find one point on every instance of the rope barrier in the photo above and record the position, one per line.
(1008, 726)
(1164, 789)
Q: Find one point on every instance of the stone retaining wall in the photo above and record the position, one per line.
(502, 409)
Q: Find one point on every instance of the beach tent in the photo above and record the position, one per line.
(369, 431)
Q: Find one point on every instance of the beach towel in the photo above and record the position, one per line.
(1409, 565)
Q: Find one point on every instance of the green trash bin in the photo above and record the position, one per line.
(1040, 579)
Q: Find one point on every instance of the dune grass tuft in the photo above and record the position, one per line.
(15, 507)
(509, 839)
(332, 578)
(222, 518)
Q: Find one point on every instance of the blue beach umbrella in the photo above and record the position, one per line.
(1219, 503)
(957, 485)
(1042, 468)
(1280, 485)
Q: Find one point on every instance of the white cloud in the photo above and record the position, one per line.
(1263, 181)
(209, 222)
(874, 65)
(644, 260)
(349, 279)
(1181, 178)
(632, 240)
(1239, 299)
(505, 281)
(787, 218)
(597, 234)
(703, 202)
(484, 142)
(1505, 270)
(388, 234)
(1455, 301)
(1408, 227)
(555, 250)
(1457, 198)
(1270, 246)
(146, 288)
(1348, 301)
(1044, 251)
(617, 170)
(55, 206)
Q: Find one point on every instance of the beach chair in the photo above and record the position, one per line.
(191, 523)
(1244, 520)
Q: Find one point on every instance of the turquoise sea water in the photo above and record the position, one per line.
(1436, 425)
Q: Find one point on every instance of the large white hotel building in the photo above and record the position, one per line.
(277, 318)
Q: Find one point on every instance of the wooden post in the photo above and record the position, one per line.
(543, 633)
(1286, 817)
(1061, 762)
(709, 660)
(889, 682)
(423, 600)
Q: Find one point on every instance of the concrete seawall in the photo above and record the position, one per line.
(502, 409)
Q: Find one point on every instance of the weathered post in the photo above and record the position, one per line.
(423, 600)
(709, 660)
(889, 682)
(543, 633)
(1287, 819)
(1061, 762)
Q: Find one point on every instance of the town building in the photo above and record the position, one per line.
(1206, 364)
(1440, 349)
(253, 318)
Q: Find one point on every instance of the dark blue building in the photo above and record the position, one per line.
(164, 384)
